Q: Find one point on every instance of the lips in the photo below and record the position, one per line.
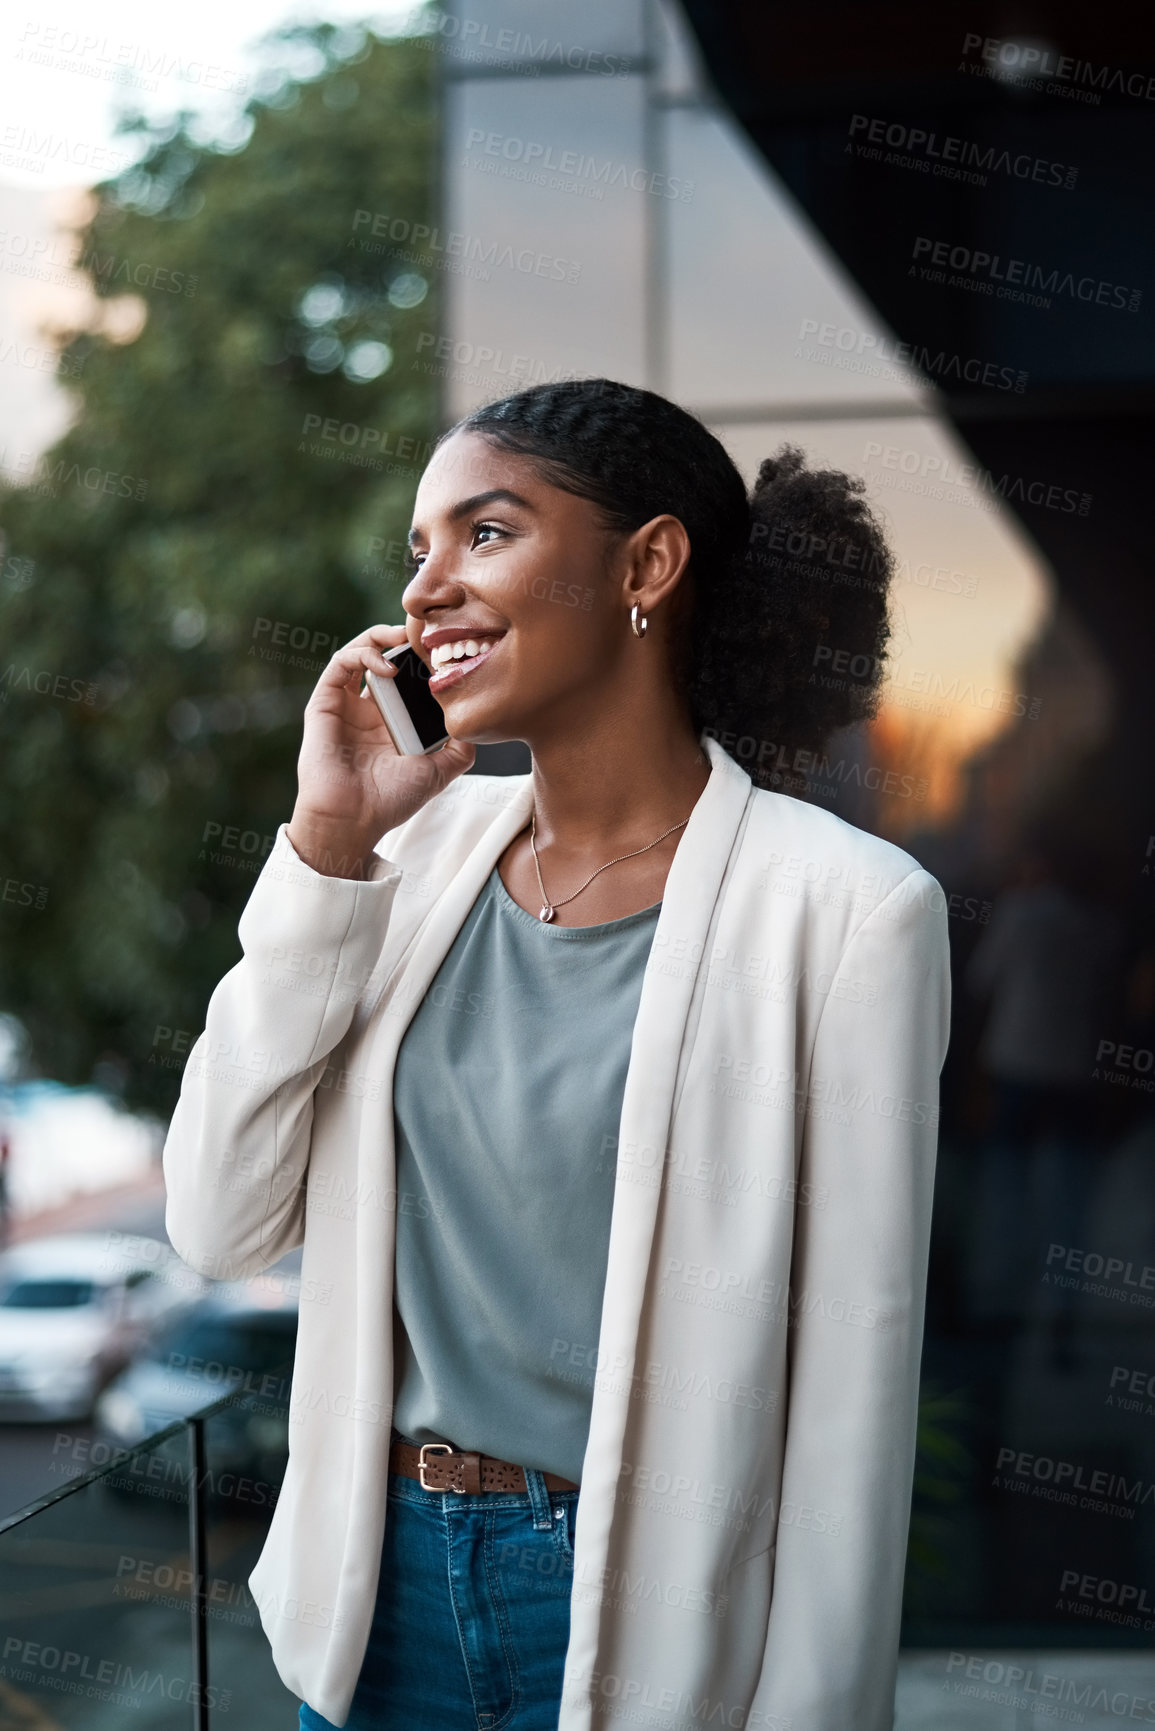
(454, 671)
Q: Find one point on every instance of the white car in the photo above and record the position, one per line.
(73, 1310)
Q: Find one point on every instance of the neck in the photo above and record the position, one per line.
(617, 783)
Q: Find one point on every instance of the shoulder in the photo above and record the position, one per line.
(815, 846)
(800, 865)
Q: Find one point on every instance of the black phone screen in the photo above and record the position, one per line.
(412, 681)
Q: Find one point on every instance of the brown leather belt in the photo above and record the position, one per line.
(440, 1467)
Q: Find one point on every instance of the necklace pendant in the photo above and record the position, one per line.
(546, 913)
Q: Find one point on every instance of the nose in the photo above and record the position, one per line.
(433, 584)
(430, 586)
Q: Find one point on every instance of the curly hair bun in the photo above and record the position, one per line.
(789, 461)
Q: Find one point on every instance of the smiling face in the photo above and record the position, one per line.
(524, 574)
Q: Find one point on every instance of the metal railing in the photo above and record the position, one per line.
(140, 1528)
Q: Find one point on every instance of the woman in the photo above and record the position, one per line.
(602, 1100)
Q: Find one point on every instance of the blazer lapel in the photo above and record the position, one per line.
(691, 894)
(417, 967)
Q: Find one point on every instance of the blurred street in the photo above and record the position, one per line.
(29, 1468)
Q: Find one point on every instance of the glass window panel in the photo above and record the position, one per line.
(246, 1452)
(546, 197)
(543, 33)
(679, 68)
(760, 311)
(95, 1601)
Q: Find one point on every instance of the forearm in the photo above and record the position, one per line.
(237, 1147)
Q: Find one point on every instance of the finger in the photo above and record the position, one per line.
(356, 660)
(390, 635)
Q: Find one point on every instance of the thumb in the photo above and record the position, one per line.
(453, 760)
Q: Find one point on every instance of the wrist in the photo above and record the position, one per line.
(332, 849)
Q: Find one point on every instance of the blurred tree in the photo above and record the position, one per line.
(253, 406)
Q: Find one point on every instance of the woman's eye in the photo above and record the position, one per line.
(480, 534)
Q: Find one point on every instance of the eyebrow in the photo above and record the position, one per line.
(475, 503)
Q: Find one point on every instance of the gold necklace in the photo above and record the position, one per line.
(548, 907)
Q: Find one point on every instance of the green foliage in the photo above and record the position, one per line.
(142, 699)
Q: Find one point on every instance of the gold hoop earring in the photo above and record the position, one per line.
(634, 616)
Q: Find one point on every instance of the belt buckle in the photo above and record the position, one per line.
(444, 1448)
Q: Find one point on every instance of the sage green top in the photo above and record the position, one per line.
(507, 1098)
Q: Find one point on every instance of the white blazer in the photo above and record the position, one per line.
(742, 1527)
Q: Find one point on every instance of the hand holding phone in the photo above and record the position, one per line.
(354, 782)
(408, 708)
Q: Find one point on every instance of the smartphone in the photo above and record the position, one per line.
(415, 719)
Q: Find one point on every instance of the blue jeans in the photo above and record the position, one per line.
(471, 1622)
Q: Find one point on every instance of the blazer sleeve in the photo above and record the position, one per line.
(857, 1296)
(238, 1145)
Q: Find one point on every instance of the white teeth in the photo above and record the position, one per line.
(458, 651)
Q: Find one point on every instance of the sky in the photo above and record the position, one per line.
(68, 69)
